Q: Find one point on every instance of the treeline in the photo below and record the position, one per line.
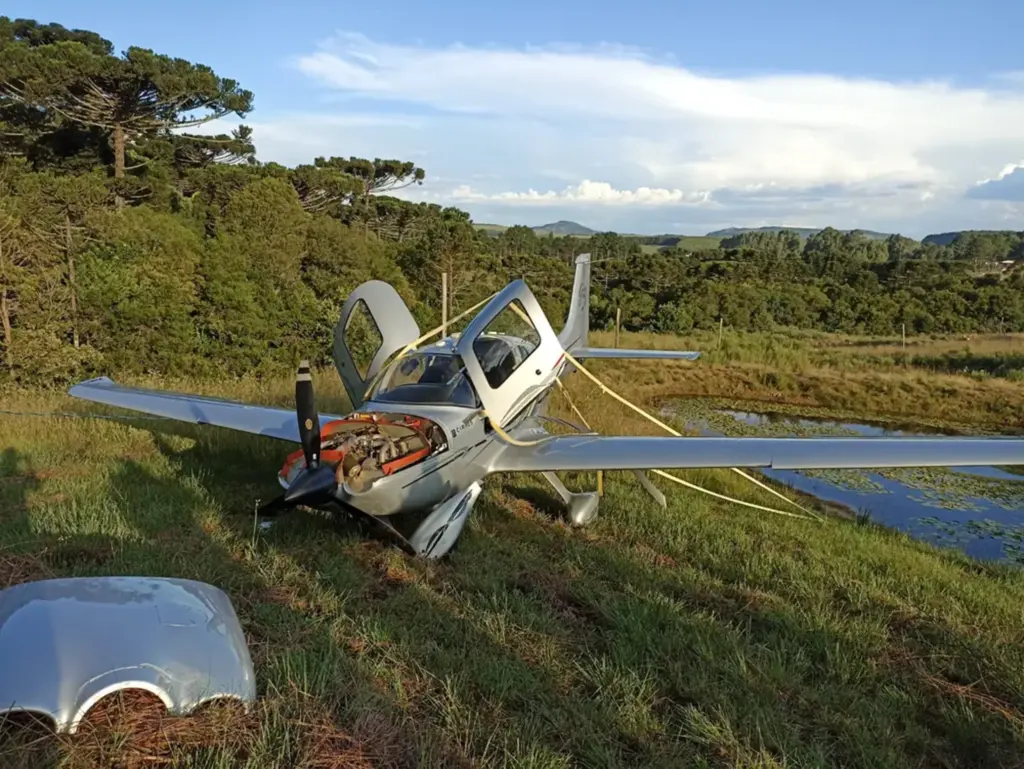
(129, 243)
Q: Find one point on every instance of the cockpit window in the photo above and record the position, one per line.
(427, 377)
(508, 333)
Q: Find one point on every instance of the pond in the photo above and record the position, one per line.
(977, 509)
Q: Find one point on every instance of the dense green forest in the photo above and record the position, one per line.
(129, 242)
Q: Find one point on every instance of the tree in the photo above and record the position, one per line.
(255, 309)
(23, 125)
(378, 175)
(139, 290)
(448, 246)
(199, 151)
(36, 307)
(324, 187)
(129, 98)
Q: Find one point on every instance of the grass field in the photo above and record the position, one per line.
(687, 242)
(702, 635)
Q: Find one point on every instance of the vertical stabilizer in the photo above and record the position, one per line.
(577, 323)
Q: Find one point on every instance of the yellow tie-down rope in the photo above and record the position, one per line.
(608, 391)
(514, 441)
(675, 479)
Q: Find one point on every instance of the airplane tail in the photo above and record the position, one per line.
(577, 322)
(573, 337)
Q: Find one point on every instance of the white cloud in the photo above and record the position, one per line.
(1008, 185)
(588, 192)
(492, 126)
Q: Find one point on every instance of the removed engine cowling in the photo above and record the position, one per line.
(365, 446)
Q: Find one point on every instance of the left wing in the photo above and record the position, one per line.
(269, 421)
(617, 352)
(588, 452)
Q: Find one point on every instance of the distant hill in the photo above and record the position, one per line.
(491, 229)
(556, 228)
(941, 238)
(945, 238)
(803, 232)
(565, 228)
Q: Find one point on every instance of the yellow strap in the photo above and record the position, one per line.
(583, 419)
(695, 487)
(676, 433)
(607, 390)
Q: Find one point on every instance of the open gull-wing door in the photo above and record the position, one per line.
(375, 324)
(509, 350)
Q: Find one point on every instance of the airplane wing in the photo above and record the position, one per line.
(617, 352)
(587, 452)
(269, 421)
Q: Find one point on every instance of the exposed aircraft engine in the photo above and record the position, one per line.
(366, 446)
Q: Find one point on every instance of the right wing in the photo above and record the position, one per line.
(269, 421)
(589, 452)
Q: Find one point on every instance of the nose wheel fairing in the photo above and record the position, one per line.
(432, 534)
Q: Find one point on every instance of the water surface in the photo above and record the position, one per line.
(978, 509)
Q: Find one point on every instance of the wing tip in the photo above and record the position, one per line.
(100, 381)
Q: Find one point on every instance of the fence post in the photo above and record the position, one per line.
(444, 304)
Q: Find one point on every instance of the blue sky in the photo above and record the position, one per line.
(646, 116)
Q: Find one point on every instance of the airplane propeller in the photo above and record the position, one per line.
(309, 420)
(314, 483)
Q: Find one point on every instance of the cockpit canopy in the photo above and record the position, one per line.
(437, 376)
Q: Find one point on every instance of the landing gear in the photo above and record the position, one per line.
(582, 505)
(435, 533)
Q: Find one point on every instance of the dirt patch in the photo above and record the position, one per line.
(327, 746)
(979, 694)
(387, 568)
(133, 729)
(729, 602)
(66, 555)
(557, 593)
(648, 554)
(285, 596)
(16, 568)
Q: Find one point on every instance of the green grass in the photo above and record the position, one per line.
(699, 635)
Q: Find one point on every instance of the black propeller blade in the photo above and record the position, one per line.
(315, 483)
(309, 420)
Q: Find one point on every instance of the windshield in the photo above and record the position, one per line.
(427, 377)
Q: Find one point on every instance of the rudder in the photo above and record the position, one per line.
(577, 322)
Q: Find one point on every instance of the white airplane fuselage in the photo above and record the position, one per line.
(471, 446)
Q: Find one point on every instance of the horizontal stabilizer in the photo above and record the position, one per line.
(616, 352)
(197, 409)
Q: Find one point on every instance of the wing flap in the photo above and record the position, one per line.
(585, 452)
(617, 352)
(268, 421)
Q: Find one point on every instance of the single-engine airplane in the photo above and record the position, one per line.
(411, 457)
